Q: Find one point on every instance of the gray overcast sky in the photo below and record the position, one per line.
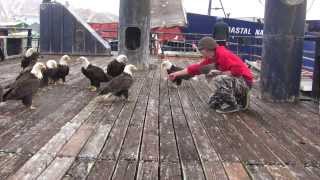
(237, 8)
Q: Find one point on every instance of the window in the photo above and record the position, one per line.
(133, 36)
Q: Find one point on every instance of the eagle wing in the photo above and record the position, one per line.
(115, 68)
(63, 70)
(25, 62)
(119, 83)
(27, 84)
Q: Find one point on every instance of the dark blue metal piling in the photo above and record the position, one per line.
(316, 72)
(282, 50)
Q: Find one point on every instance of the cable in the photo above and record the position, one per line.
(262, 3)
(225, 15)
(311, 5)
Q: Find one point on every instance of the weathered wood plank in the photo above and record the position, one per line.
(102, 170)
(298, 170)
(91, 150)
(296, 125)
(57, 168)
(314, 170)
(130, 151)
(220, 141)
(258, 172)
(12, 164)
(115, 141)
(170, 171)
(249, 146)
(28, 119)
(38, 135)
(280, 172)
(150, 140)
(190, 161)
(77, 141)
(284, 134)
(147, 170)
(213, 169)
(125, 170)
(79, 169)
(169, 158)
(236, 171)
(34, 166)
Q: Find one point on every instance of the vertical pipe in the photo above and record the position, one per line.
(134, 30)
(316, 72)
(29, 40)
(209, 7)
(282, 50)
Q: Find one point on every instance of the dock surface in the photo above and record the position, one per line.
(161, 132)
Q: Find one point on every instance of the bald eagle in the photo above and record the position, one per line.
(116, 66)
(119, 86)
(95, 74)
(30, 58)
(171, 68)
(25, 86)
(51, 72)
(63, 68)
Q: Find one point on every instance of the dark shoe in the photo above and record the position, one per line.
(245, 101)
(228, 109)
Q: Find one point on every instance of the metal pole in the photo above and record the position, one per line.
(316, 73)
(210, 7)
(282, 50)
(134, 30)
(29, 40)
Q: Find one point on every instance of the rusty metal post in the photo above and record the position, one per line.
(282, 50)
(134, 30)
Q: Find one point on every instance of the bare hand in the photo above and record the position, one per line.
(213, 73)
(172, 76)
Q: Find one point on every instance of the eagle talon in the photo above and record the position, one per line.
(93, 89)
(32, 108)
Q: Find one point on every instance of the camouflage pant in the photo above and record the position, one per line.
(228, 90)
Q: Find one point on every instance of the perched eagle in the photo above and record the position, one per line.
(171, 68)
(30, 58)
(116, 66)
(119, 86)
(25, 86)
(94, 73)
(63, 68)
(51, 72)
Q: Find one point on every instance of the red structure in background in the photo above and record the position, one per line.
(169, 34)
(108, 31)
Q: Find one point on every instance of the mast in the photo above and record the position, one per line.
(210, 7)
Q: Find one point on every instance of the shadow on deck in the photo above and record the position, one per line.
(161, 133)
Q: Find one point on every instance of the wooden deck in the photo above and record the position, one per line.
(161, 133)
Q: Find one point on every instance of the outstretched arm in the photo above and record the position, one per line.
(174, 75)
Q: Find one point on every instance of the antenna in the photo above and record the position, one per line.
(210, 7)
(222, 8)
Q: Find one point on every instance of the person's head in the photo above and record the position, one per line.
(207, 46)
(220, 19)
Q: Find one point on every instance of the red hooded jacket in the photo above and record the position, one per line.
(225, 61)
